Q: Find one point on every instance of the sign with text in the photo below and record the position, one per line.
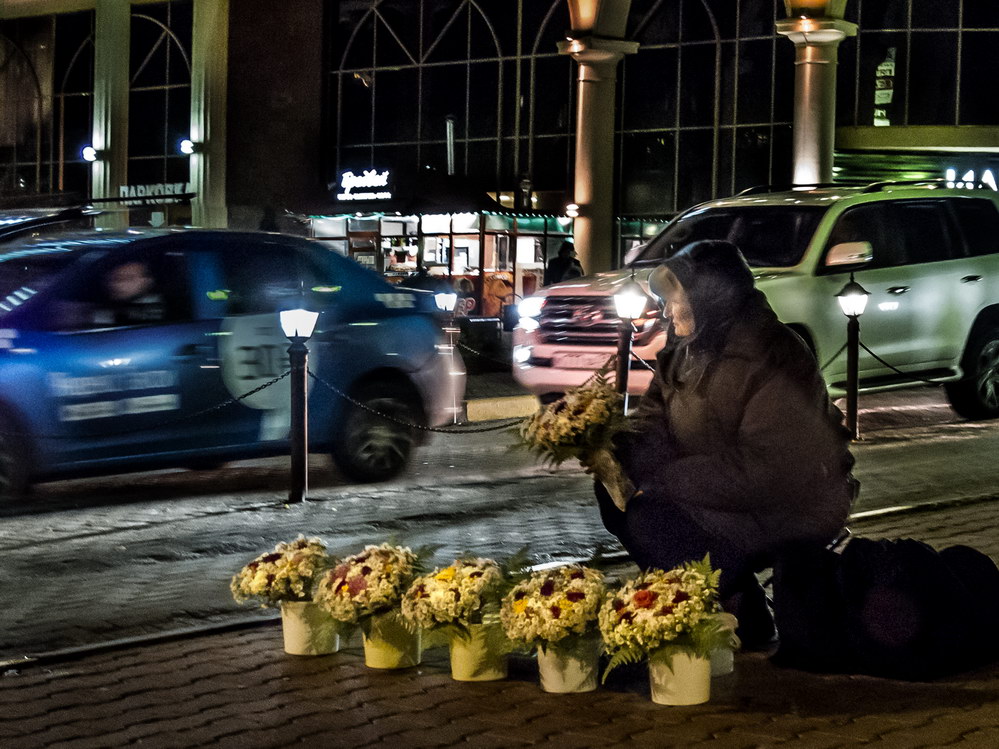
(370, 184)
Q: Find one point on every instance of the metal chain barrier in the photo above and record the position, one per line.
(642, 361)
(832, 358)
(896, 369)
(481, 355)
(505, 423)
(165, 422)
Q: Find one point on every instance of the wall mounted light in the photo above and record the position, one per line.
(188, 146)
(90, 153)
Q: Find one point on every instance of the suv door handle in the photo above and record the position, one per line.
(897, 289)
(971, 279)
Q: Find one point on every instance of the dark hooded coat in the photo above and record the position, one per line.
(737, 427)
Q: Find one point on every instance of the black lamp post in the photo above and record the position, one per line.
(853, 301)
(298, 325)
(630, 303)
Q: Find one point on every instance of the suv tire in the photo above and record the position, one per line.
(976, 395)
(369, 448)
(13, 461)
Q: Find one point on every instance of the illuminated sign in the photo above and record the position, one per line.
(162, 192)
(367, 182)
(968, 180)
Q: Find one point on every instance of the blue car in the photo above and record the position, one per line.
(124, 351)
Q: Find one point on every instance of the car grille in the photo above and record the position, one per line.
(581, 320)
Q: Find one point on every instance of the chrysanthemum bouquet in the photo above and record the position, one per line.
(286, 574)
(368, 583)
(673, 611)
(459, 594)
(581, 425)
(556, 606)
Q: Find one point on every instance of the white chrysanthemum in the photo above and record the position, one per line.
(454, 594)
(657, 608)
(367, 583)
(553, 604)
(285, 574)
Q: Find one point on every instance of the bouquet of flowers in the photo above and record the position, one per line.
(553, 606)
(581, 425)
(368, 583)
(466, 592)
(658, 611)
(285, 574)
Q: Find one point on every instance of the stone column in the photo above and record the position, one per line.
(596, 83)
(109, 136)
(209, 71)
(816, 41)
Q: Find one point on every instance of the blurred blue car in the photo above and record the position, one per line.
(117, 351)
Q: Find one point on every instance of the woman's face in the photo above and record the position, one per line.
(681, 313)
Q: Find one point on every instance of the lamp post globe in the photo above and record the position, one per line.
(298, 325)
(629, 303)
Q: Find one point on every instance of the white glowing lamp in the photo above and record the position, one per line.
(630, 301)
(445, 301)
(89, 153)
(852, 298)
(298, 324)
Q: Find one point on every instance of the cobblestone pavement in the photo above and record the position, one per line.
(236, 688)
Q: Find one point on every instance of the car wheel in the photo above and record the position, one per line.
(976, 395)
(13, 461)
(367, 447)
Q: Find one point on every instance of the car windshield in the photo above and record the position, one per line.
(24, 274)
(768, 236)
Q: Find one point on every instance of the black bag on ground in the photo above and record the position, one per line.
(888, 608)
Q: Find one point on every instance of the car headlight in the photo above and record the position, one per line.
(531, 306)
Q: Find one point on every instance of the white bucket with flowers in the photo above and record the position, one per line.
(461, 602)
(555, 611)
(286, 577)
(673, 619)
(365, 590)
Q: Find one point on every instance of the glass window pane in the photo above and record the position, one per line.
(925, 231)
(756, 18)
(697, 84)
(444, 39)
(647, 161)
(444, 88)
(649, 88)
(396, 104)
(553, 86)
(979, 104)
(979, 221)
(933, 70)
(356, 101)
(937, 15)
(755, 72)
(979, 15)
(484, 93)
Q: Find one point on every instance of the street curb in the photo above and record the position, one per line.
(82, 651)
(490, 409)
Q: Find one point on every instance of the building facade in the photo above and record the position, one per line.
(475, 88)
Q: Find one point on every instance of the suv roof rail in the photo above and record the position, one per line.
(879, 186)
(757, 189)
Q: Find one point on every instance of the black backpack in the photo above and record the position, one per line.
(897, 609)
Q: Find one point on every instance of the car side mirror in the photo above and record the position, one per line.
(849, 253)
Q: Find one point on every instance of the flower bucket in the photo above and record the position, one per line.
(722, 661)
(563, 670)
(679, 679)
(476, 658)
(308, 629)
(388, 644)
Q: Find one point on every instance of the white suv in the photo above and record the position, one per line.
(927, 253)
